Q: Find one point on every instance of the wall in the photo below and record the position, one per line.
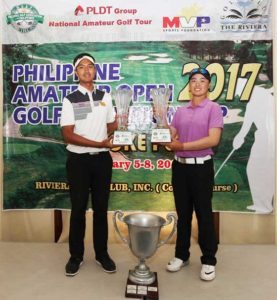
(38, 226)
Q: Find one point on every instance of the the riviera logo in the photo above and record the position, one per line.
(245, 15)
(24, 18)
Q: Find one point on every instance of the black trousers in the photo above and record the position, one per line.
(89, 173)
(192, 189)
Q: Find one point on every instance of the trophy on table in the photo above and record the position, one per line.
(144, 239)
(122, 98)
(160, 98)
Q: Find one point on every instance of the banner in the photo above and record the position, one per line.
(121, 20)
(140, 50)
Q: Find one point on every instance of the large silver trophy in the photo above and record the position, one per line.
(144, 239)
(122, 98)
(160, 98)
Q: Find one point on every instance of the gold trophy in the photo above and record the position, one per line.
(160, 98)
(122, 98)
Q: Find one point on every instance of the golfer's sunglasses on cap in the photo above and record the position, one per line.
(199, 70)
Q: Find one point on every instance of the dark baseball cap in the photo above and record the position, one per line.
(201, 71)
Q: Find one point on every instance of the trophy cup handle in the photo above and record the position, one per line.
(119, 214)
(171, 217)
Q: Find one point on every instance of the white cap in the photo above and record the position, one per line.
(81, 58)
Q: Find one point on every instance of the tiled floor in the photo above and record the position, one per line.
(35, 271)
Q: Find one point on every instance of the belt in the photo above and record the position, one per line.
(97, 153)
(192, 160)
(93, 153)
(88, 153)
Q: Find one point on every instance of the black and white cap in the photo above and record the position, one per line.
(82, 56)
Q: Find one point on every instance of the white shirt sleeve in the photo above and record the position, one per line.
(67, 115)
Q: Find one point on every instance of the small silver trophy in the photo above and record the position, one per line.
(160, 98)
(144, 239)
(122, 98)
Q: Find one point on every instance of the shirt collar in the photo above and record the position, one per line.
(84, 91)
(202, 104)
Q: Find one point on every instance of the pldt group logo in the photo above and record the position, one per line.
(94, 10)
(245, 15)
(79, 10)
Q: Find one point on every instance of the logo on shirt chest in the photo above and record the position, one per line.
(81, 110)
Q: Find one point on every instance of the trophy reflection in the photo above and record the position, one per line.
(144, 239)
(122, 98)
(160, 98)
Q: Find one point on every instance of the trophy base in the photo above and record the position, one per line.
(142, 291)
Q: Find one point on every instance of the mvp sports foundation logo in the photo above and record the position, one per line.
(24, 18)
(190, 20)
(245, 16)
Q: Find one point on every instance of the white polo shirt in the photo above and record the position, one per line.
(89, 115)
